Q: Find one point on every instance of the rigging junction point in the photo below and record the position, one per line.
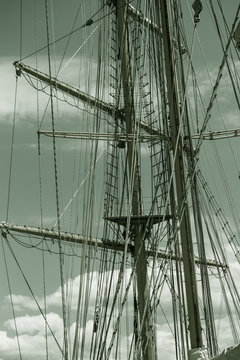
(138, 226)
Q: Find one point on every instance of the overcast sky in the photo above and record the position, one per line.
(24, 200)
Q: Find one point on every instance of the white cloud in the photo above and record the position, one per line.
(27, 96)
(7, 87)
(32, 339)
(165, 342)
(23, 302)
(31, 336)
(224, 113)
(232, 119)
(35, 324)
(32, 330)
(54, 299)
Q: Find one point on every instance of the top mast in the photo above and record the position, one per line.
(134, 181)
(179, 168)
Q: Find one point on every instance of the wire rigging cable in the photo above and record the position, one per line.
(3, 235)
(101, 302)
(12, 149)
(32, 293)
(217, 82)
(61, 260)
(88, 23)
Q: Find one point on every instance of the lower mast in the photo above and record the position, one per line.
(138, 233)
(195, 329)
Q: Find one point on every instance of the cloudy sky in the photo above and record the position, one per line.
(20, 37)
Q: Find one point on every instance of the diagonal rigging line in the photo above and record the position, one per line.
(133, 271)
(192, 174)
(61, 256)
(216, 85)
(222, 45)
(88, 23)
(11, 299)
(81, 46)
(77, 190)
(31, 291)
(12, 149)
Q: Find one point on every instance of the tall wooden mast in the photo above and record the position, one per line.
(134, 181)
(180, 176)
(131, 123)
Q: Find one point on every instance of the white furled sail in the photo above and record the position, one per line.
(198, 354)
(231, 353)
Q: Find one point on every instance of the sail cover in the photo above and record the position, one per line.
(231, 353)
(197, 354)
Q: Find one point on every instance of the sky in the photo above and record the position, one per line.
(18, 39)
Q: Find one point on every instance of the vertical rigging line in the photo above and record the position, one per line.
(174, 159)
(45, 302)
(10, 294)
(32, 293)
(214, 15)
(40, 198)
(126, 291)
(232, 80)
(61, 258)
(178, 135)
(20, 32)
(226, 25)
(228, 280)
(12, 146)
(217, 82)
(68, 40)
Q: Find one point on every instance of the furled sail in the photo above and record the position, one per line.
(231, 353)
(198, 354)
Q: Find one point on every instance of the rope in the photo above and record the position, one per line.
(45, 302)
(88, 23)
(226, 275)
(12, 148)
(181, 207)
(226, 25)
(111, 344)
(78, 189)
(222, 45)
(76, 52)
(233, 241)
(11, 300)
(232, 81)
(21, 29)
(31, 291)
(40, 197)
(216, 85)
(61, 258)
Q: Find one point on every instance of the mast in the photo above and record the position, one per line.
(146, 332)
(128, 115)
(179, 168)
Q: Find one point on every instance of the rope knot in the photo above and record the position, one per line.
(89, 22)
